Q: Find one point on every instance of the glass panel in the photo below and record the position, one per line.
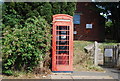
(63, 52)
(62, 58)
(62, 42)
(62, 27)
(62, 38)
(76, 19)
(62, 62)
(62, 32)
(62, 47)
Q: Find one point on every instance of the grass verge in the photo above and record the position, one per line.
(81, 60)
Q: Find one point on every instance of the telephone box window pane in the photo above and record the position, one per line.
(63, 52)
(76, 19)
(62, 38)
(62, 32)
(62, 42)
(62, 27)
(62, 47)
(65, 58)
(62, 62)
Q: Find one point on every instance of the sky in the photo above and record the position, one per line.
(1, 1)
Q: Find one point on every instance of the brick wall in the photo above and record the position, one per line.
(89, 16)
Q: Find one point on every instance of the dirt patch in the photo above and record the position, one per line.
(27, 76)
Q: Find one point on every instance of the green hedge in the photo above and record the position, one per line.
(27, 37)
(25, 45)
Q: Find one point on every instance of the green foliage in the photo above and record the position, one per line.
(95, 68)
(45, 9)
(109, 24)
(63, 8)
(26, 34)
(24, 48)
(108, 27)
(112, 10)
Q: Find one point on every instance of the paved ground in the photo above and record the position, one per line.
(81, 75)
(109, 74)
(0, 68)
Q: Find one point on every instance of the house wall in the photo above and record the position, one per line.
(89, 16)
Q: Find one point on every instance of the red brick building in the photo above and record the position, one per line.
(89, 25)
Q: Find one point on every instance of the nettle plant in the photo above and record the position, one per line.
(24, 46)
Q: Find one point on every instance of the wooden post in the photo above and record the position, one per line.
(118, 55)
(96, 54)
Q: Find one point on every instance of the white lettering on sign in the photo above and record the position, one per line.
(108, 52)
(62, 20)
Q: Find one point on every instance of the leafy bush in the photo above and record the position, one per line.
(24, 46)
(27, 37)
(44, 9)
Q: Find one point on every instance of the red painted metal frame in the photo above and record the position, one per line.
(55, 66)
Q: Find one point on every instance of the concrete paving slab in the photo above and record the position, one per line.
(82, 73)
(61, 77)
(61, 73)
(112, 72)
(63, 80)
(92, 77)
(79, 77)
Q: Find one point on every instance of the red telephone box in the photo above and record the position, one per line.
(62, 43)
